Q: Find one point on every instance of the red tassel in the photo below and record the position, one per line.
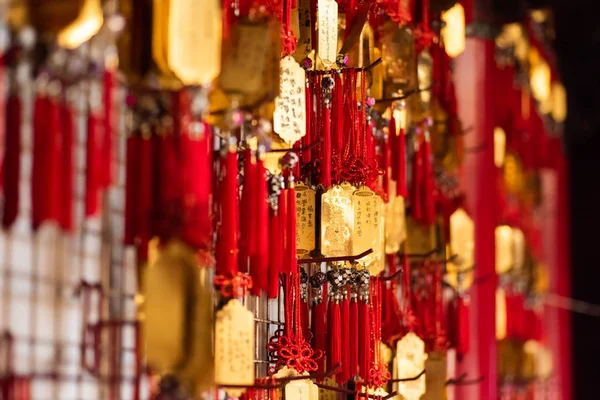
(196, 166)
(260, 255)
(429, 185)
(462, 345)
(46, 190)
(291, 258)
(109, 127)
(66, 166)
(93, 167)
(385, 156)
(353, 336)
(345, 373)
(248, 219)
(12, 161)
(334, 353)
(318, 327)
(338, 116)
(417, 182)
(229, 230)
(393, 143)
(401, 189)
(326, 149)
(275, 251)
(364, 339)
(145, 192)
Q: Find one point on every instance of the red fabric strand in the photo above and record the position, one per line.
(228, 237)
(429, 185)
(260, 255)
(247, 219)
(326, 149)
(334, 353)
(318, 327)
(417, 182)
(12, 161)
(93, 165)
(353, 336)
(275, 253)
(364, 339)
(393, 140)
(109, 127)
(132, 186)
(66, 166)
(291, 258)
(345, 340)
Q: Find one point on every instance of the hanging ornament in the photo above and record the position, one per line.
(289, 118)
(337, 221)
(234, 347)
(306, 219)
(410, 359)
(368, 210)
(327, 31)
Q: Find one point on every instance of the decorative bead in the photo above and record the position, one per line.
(370, 101)
(307, 63)
(318, 279)
(341, 60)
(303, 276)
(327, 83)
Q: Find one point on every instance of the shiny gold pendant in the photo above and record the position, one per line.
(368, 233)
(245, 58)
(395, 221)
(289, 119)
(337, 221)
(410, 359)
(305, 44)
(234, 347)
(305, 219)
(328, 31)
(194, 25)
(436, 366)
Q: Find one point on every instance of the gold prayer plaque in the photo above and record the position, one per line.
(305, 219)
(328, 30)
(337, 222)
(368, 214)
(289, 119)
(234, 347)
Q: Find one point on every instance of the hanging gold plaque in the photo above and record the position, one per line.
(289, 119)
(327, 31)
(305, 219)
(367, 233)
(436, 366)
(234, 347)
(518, 249)
(325, 394)
(304, 46)
(395, 221)
(410, 359)
(399, 59)
(244, 58)
(462, 240)
(377, 84)
(337, 222)
(424, 73)
(194, 25)
(500, 314)
(419, 238)
(166, 323)
(504, 249)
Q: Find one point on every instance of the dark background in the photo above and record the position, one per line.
(577, 46)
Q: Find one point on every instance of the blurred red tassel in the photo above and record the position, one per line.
(109, 127)
(334, 353)
(66, 166)
(416, 202)
(393, 143)
(145, 192)
(353, 336)
(228, 236)
(345, 340)
(364, 339)
(429, 185)
(291, 259)
(275, 252)
(93, 167)
(12, 161)
(318, 327)
(247, 219)
(259, 261)
(463, 344)
(326, 149)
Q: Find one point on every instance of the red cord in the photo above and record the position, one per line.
(229, 230)
(275, 253)
(12, 161)
(326, 149)
(345, 340)
(260, 255)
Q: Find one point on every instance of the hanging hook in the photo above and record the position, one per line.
(335, 259)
